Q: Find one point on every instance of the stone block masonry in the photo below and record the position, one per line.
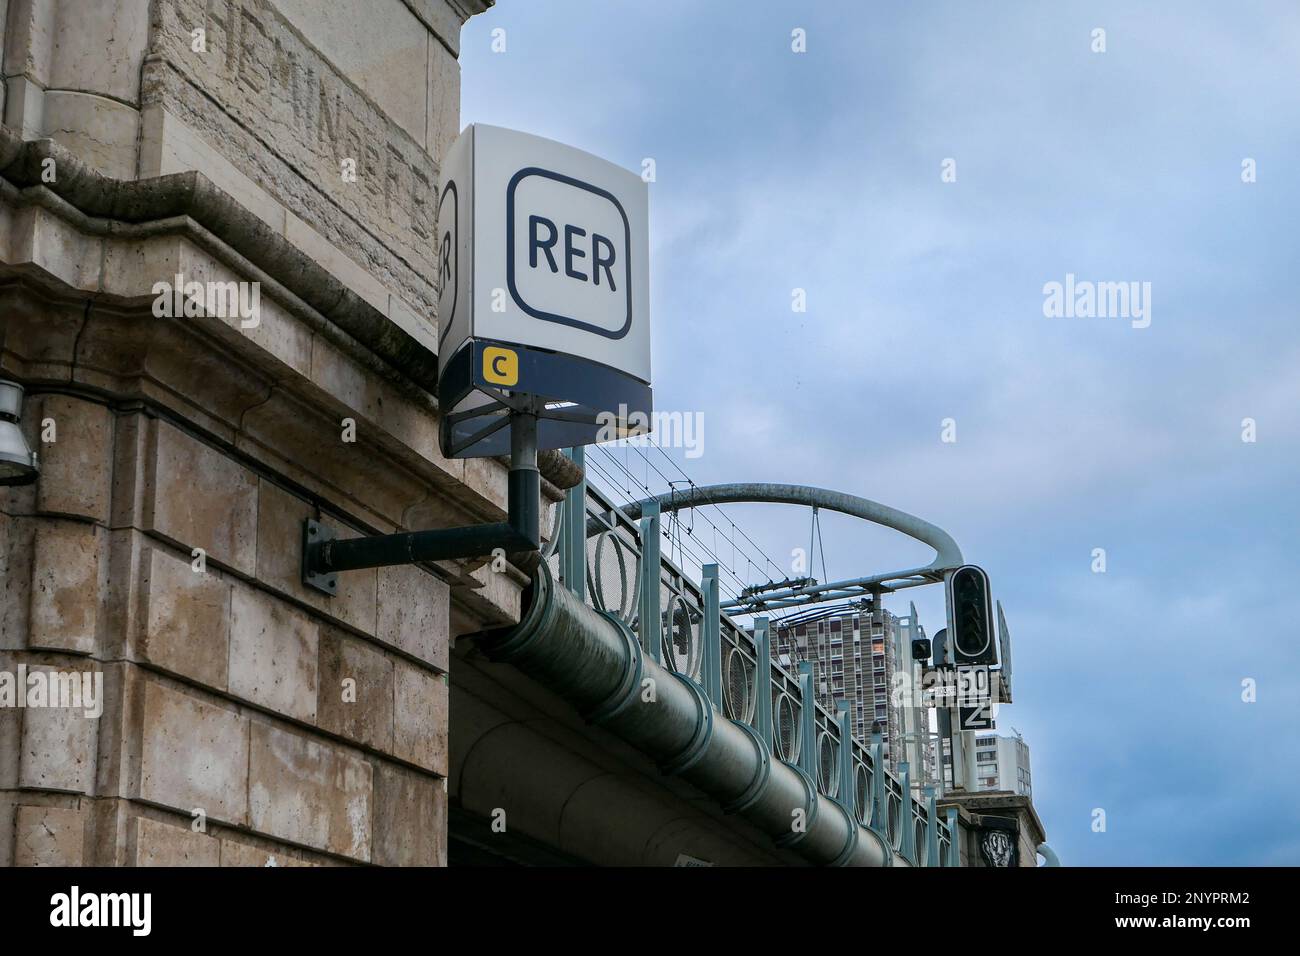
(243, 720)
(240, 722)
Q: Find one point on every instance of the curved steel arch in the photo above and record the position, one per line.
(947, 553)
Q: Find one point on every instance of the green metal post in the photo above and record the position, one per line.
(954, 838)
(807, 721)
(879, 802)
(908, 846)
(573, 533)
(847, 777)
(711, 637)
(652, 625)
(931, 829)
(763, 681)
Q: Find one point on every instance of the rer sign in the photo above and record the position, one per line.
(543, 291)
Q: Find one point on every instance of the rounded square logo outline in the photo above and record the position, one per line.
(508, 378)
(510, 251)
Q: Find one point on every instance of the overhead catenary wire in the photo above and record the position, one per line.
(612, 482)
(686, 546)
(716, 508)
(728, 567)
(615, 474)
(670, 482)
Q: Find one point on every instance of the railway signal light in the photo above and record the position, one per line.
(970, 610)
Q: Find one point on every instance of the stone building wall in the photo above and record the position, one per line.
(245, 719)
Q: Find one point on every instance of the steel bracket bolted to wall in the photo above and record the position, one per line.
(324, 554)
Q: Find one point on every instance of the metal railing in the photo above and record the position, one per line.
(601, 554)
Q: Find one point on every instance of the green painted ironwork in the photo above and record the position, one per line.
(588, 512)
(844, 762)
(907, 848)
(711, 637)
(931, 830)
(954, 830)
(763, 681)
(650, 611)
(573, 532)
(807, 721)
(880, 796)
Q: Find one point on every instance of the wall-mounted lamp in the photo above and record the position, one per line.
(18, 464)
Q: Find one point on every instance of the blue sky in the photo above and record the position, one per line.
(821, 171)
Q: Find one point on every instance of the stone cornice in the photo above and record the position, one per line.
(189, 202)
(192, 194)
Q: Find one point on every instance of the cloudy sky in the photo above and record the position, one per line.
(822, 170)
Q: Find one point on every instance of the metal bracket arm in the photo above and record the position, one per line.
(323, 555)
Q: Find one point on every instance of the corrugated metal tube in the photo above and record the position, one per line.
(594, 661)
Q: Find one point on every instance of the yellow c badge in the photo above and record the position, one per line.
(500, 366)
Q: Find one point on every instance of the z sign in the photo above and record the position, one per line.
(979, 717)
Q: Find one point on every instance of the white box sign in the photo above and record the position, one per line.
(543, 247)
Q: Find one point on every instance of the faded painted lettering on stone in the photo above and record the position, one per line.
(276, 84)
